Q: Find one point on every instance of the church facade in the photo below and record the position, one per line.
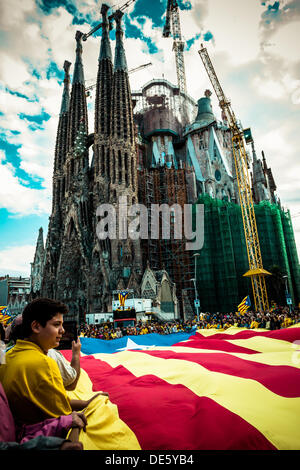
(152, 146)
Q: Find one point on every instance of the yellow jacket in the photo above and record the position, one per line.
(27, 377)
(34, 388)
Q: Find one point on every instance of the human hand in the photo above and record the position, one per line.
(78, 420)
(93, 398)
(72, 446)
(76, 346)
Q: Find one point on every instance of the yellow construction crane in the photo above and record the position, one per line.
(256, 271)
(172, 25)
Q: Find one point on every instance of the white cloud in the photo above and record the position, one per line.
(18, 199)
(15, 260)
(235, 27)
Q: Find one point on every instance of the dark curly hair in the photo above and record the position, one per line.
(41, 310)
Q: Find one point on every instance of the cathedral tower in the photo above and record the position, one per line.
(121, 170)
(55, 231)
(71, 278)
(103, 112)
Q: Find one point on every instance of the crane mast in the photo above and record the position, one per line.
(172, 25)
(256, 271)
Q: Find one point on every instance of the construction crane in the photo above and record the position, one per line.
(87, 90)
(172, 26)
(256, 271)
(110, 18)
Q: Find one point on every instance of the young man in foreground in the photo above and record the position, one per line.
(34, 387)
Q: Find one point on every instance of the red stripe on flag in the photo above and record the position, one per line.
(171, 417)
(285, 334)
(217, 344)
(282, 380)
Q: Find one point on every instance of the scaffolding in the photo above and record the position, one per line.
(223, 258)
(160, 104)
(164, 185)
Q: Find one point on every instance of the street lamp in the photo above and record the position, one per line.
(287, 295)
(286, 287)
(197, 300)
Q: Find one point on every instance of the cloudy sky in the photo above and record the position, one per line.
(254, 46)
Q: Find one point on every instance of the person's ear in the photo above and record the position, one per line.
(35, 326)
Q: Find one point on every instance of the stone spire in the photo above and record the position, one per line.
(66, 93)
(60, 148)
(37, 265)
(120, 57)
(61, 142)
(78, 106)
(39, 250)
(269, 178)
(259, 179)
(122, 126)
(104, 80)
(122, 169)
(105, 49)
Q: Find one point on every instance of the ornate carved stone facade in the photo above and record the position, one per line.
(78, 268)
(143, 152)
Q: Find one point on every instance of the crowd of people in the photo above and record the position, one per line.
(278, 317)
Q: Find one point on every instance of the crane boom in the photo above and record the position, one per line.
(136, 69)
(256, 271)
(110, 18)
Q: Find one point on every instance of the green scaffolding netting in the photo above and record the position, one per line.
(223, 258)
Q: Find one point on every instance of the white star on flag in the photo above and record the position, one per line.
(132, 345)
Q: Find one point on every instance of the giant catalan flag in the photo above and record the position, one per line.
(238, 389)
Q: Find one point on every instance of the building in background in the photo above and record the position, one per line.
(14, 293)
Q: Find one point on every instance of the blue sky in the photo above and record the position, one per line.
(253, 45)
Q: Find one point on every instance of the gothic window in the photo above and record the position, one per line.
(71, 229)
(58, 192)
(201, 142)
(132, 174)
(215, 151)
(149, 291)
(113, 167)
(102, 160)
(86, 211)
(119, 160)
(126, 168)
(218, 175)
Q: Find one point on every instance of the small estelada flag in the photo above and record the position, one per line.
(244, 305)
(122, 297)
